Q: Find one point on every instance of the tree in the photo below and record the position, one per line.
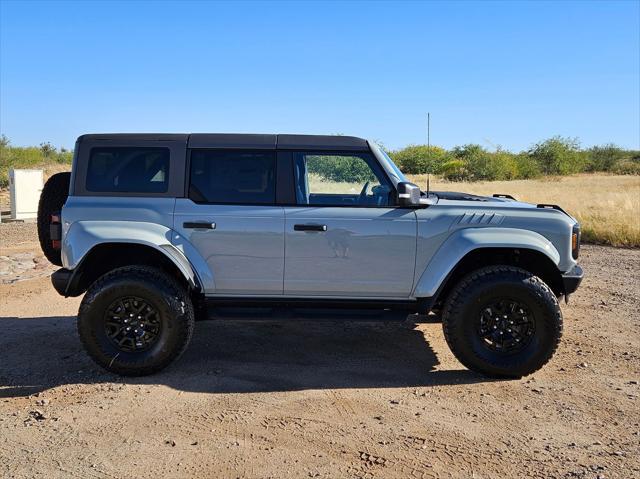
(478, 162)
(558, 156)
(47, 149)
(417, 159)
(455, 170)
(603, 158)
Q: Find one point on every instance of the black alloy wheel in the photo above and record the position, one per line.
(506, 326)
(132, 324)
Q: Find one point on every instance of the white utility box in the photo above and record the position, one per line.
(25, 187)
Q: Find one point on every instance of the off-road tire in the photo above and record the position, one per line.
(53, 196)
(164, 293)
(465, 303)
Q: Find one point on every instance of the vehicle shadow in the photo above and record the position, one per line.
(235, 357)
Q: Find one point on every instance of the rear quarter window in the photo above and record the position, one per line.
(128, 170)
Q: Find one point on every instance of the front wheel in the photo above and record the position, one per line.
(135, 320)
(502, 321)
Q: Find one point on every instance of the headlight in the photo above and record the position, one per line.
(575, 241)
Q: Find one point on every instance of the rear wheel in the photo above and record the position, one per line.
(502, 321)
(52, 199)
(135, 320)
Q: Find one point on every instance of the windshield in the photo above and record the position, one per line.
(390, 165)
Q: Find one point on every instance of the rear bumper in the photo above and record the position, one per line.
(61, 279)
(572, 279)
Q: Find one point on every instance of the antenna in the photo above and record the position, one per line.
(428, 149)
(429, 133)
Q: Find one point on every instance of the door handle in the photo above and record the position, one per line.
(199, 225)
(310, 227)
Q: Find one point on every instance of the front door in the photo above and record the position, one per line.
(231, 220)
(345, 238)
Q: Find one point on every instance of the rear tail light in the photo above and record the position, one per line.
(55, 231)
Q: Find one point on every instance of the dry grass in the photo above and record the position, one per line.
(607, 206)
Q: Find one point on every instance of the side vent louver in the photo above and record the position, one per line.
(478, 219)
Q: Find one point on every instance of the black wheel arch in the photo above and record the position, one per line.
(106, 257)
(529, 260)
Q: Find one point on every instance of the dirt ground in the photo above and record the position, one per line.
(269, 399)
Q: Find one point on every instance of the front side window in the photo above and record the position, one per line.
(128, 170)
(233, 177)
(339, 180)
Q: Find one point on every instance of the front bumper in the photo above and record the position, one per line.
(572, 279)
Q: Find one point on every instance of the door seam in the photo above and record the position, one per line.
(284, 246)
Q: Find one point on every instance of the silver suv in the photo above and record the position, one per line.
(160, 230)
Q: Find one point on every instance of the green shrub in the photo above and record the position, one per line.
(340, 168)
(477, 162)
(505, 165)
(454, 170)
(627, 167)
(28, 157)
(558, 156)
(603, 158)
(418, 159)
(526, 166)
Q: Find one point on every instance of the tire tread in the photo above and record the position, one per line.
(169, 287)
(452, 315)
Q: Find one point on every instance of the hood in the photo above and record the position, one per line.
(458, 198)
(454, 198)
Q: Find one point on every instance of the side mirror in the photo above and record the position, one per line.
(408, 194)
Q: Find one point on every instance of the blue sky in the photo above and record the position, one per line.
(504, 73)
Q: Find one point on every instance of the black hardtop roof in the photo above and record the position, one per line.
(239, 140)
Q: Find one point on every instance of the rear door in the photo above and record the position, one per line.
(231, 219)
(345, 238)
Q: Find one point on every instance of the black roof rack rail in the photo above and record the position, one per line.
(501, 195)
(551, 207)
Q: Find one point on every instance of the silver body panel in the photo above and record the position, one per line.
(244, 253)
(364, 252)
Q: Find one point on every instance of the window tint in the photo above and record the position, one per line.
(339, 180)
(128, 170)
(236, 177)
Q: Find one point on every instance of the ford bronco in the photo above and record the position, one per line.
(159, 230)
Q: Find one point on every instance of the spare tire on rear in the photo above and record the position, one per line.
(54, 194)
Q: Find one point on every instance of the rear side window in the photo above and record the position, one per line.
(233, 177)
(128, 170)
